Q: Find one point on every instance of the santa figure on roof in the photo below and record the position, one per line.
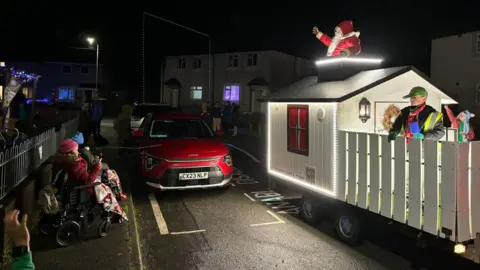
(344, 43)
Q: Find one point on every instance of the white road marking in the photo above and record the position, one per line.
(245, 152)
(187, 232)
(162, 225)
(279, 221)
(248, 196)
(232, 184)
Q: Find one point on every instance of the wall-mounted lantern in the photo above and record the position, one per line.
(364, 110)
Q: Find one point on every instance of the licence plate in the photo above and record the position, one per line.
(193, 176)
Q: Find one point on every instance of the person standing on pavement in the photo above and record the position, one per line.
(97, 115)
(122, 123)
(17, 109)
(20, 236)
(226, 119)
(217, 114)
(235, 115)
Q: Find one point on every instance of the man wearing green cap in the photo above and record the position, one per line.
(419, 121)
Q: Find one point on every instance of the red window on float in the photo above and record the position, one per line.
(297, 136)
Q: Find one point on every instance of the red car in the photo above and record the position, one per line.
(180, 151)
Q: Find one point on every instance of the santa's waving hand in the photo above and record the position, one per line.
(345, 42)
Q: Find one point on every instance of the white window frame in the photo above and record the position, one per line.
(252, 60)
(71, 69)
(196, 88)
(233, 61)
(74, 93)
(182, 63)
(197, 64)
(239, 91)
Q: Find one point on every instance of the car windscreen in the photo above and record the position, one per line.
(180, 129)
(143, 110)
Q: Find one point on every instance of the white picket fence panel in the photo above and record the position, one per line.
(19, 161)
(433, 186)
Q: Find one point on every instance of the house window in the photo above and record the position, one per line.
(66, 69)
(182, 63)
(28, 92)
(66, 93)
(252, 60)
(85, 70)
(233, 61)
(297, 136)
(196, 92)
(478, 43)
(197, 64)
(231, 93)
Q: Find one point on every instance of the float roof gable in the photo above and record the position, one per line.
(309, 90)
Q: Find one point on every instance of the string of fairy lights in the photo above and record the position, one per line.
(20, 75)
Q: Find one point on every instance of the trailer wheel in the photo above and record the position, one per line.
(348, 228)
(310, 211)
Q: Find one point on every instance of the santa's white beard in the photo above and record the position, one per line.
(333, 45)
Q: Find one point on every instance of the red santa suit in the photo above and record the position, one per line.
(345, 39)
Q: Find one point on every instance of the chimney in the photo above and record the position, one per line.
(340, 68)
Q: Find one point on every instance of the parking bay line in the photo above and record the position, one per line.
(188, 232)
(279, 220)
(162, 225)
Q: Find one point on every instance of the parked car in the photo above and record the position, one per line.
(141, 110)
(180, 151)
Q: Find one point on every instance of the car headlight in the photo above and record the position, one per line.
(227, 160)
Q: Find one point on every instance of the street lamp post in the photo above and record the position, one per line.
(91, 40)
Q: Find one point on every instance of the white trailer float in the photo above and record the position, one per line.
(346, 167)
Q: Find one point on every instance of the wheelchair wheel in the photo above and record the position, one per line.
(104, 227)
(68, 233)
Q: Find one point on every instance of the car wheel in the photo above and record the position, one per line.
(310, 210)
(348, 228)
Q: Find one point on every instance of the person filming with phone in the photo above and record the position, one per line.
(418, 121)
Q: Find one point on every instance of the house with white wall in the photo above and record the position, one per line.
(240, 77)
(455, 68)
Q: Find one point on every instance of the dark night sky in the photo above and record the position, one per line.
(401, 33)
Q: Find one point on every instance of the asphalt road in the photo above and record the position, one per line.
(236, 228)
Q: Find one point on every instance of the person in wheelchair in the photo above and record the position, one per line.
(69, 159)
(108, 176)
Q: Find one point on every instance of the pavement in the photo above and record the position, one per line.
(237, 228)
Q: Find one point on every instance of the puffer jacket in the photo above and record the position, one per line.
(76, 168)
(122, 123)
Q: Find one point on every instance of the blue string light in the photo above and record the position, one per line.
(21, 75)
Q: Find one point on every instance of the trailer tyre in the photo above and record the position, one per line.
(348, 228)
(310, 211)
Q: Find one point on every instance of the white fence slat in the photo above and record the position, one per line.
(342, 165)
(463, 192)
(431, 200)
(400, 181)
(448, 189)
(387, 183)
(415, 187)
(475, 186)
(352, 168)
(374, 174)
(362, 170)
